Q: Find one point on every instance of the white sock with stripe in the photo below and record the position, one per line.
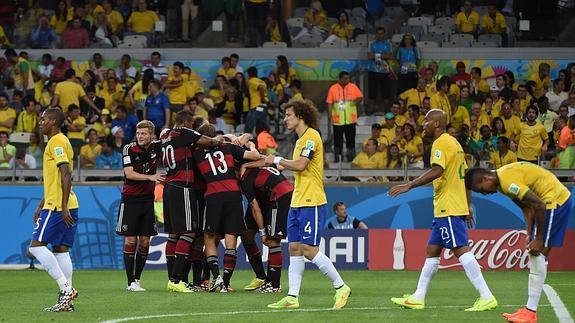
(295, 274)
(65, 263)
(473, 272)
(537, 275)
(328, 269)
(429, 270)
(48, 260)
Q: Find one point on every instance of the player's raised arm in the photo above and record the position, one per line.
(252, 153)
(209, 141)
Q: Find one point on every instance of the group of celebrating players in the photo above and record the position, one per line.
(206, 175)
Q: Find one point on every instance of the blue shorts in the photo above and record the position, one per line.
(51, 229)
(305, 224)
(449, 232)
(555, 225)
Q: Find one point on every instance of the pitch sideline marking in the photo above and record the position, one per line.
(147, 317)
(560, 310)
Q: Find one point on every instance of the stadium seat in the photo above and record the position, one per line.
(394, 11)
(494, 38)
(463, 38)
(445, 21)
(484, 44)
(357, 22)
(20, 137)
(416, 31)
(359, 12)
(481, 10)
(428, 44)
(294, 22)
(331, 21)
(273, 44)
(424, 22)
(454, 44)
(308, 41)
(333, 45)
(300, 12)
(363, 131)
(385, 22)
(134, 41)
(358, 44)
(434, 37)
(438, 29)
(396, 38)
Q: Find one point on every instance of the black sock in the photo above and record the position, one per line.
(129, 255)
(170, 255)
(141, 258)
(181, 262)
(187, 269)
(255, 258)
(206, 270)
(275, 260)
(213, 264)
(230, 258)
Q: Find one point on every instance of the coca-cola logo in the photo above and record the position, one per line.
(507, 252)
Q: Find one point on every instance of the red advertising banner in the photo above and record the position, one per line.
(494, 250)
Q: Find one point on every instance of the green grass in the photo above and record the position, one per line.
(23, 295)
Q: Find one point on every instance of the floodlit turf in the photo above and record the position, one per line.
(102, 297)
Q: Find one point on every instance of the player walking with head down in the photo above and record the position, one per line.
(181, 218)
(224, 210)
(57, 213)
(308, 210)
(136, 218)
(546, 204)
(452, 210)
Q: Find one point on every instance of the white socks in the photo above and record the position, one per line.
(473, 272)
(65, 263)
(328, 269)
(429, 270)
(537, 275)
(295, 274)
(48, 260)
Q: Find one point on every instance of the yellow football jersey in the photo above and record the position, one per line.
(308, 185)
(531, 140)
(58, 151)
(449, 194)
(498, 161)
(516, 179)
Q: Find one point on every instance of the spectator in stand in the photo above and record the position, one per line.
(256, 12)
(474, 128)
(22, 160)
(124, 8)
(160, 71)
(497, 129)
(103, 124)
(394, 160)
(189, 13)
(557, 95)
(541, 79)
(440, 100)
(465, 98)
(415, 96)
(461, 77)
(21, 73)
(139, 92)
(142, 22)
(35, 149)
(502, 84)
(7, 115)
(125, 70)
(371, 157)
(512, 122)
(478, 86)
(157, 107)
(234, 63)
(295, 88)
(494, 23)
(118, 139)
(274, 31)
(7, 151)
(342, 100)
(75, 124)
(28, 119)
(459, 114)
(85, 21)
(93, 8)
(285, 73)
(380, 77)
(75, 35)
(90, 151)
(258, 100)
(410, 145)
(126, 122)
(389, 127)
(266, 143)
(86, 111)
(570, 103)
(16, 104)
(547, 118)
(59, 71)
(44, 70)
(503, 156)
(467, 20)
(226, 70)
(533, 138)
(218, 122)
(114, 19)
(101, 32)
(43, 36)
(4, 40)
(112, 94)
(8, 18)
(343, 220)
(408, 59)
(315, 21)
(109, 158)
(176, 85)
(70, 92)
(565, 144)
(342, 32)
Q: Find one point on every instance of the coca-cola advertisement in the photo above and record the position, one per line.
(493, 249)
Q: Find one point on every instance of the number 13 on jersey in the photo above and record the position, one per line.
(221, 160)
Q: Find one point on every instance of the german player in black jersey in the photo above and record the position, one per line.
(181, 218)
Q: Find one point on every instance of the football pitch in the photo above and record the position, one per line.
(102, 297)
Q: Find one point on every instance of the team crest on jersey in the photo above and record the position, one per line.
(310, 144)
(437, 154)
(514, 189)
(59, 151)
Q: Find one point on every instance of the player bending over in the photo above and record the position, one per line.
(452, 211)
(545, 203)
(308, 209)
(136, 218)
(57, 214)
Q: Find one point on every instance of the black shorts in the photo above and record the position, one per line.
(136, 217)
(224, 216)
(275, 216)
(180, 209)
(379, 83)
(201, 207)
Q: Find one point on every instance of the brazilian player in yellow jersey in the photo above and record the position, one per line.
(545, 203)
(308, 209)
(56, 216)
(452, 211)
